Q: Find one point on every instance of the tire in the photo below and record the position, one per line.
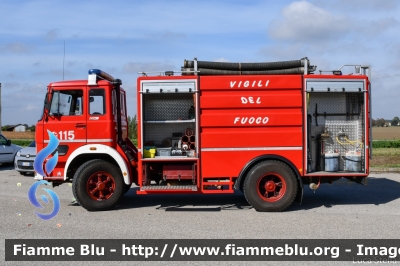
(97, 185)
(270, 186)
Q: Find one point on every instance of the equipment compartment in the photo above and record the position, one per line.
(168, 113)
(336, 126)
(179, 171)
(169, 174)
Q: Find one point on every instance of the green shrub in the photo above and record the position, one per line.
(21, 142)
(386, 144)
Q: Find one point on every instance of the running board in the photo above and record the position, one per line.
(162, 188)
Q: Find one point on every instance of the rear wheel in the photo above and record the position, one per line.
(270, 186)
(97, 185)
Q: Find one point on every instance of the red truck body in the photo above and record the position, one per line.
(265, 134)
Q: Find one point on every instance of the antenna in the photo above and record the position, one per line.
(63, 60)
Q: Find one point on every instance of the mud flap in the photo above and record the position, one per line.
(299, 195)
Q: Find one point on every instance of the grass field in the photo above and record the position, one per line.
(19, 135)
(385, 133)
(385, 158)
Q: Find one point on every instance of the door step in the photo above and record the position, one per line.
(190, 188)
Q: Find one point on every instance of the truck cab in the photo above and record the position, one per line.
(89, 120)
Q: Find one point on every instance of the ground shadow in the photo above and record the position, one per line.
(378, 191)
(6, 166)
(343, 192)
(10, 166)
(185, 202)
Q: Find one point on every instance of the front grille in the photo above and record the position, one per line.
(25, 167)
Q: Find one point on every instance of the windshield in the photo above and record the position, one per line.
(66, 102)
(32, 144)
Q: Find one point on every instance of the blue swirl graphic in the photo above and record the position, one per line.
(35, 202)
(51, 148)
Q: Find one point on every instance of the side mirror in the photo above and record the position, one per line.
(8, 142)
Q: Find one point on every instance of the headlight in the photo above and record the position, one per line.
(18, 153)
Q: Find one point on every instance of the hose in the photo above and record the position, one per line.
(348, 142)
(353, 142)
(246, 66)
(209, 72)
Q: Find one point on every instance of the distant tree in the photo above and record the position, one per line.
(132, 127)
(374, 122)
(380, 122)
(395, 121)
(32, 128)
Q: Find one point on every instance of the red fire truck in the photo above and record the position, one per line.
(266, 129)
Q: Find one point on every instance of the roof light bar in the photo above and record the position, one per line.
(97, 73)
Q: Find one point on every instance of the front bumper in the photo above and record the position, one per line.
(23, 164)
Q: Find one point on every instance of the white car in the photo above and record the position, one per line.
(7, 150)
(24, 159)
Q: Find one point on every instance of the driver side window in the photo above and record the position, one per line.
(97, 102)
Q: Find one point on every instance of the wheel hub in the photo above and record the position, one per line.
(100, 186)
(271, 187)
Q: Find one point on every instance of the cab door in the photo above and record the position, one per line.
(100, 125)
(67, 120)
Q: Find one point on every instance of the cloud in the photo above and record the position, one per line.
(31, 107)
(172, 35)
(29, 98)
(10, 75)
(363, 4)
(306, 22)
(221, 59)
(140, 37)
(17, 48)
(376, 27)
(56, 73)
(51, 35)
(147, 67)
(71, 64)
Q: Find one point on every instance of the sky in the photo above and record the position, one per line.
(125, 37)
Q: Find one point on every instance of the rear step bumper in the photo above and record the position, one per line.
(163, 188)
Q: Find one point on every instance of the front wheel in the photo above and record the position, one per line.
(97, 185)
(270, 186)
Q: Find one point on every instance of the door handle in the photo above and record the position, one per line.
(80, 125)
